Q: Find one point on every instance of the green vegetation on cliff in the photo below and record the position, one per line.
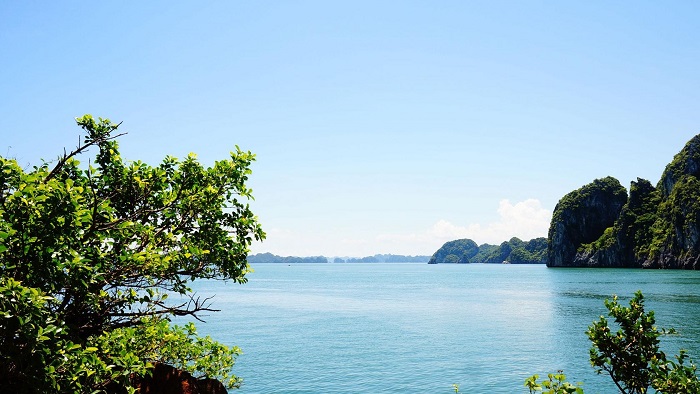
(459, 251)
(685, 163)
(657, 227)
(582, 217)
(514, 251)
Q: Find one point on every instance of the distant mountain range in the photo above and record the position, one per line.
(377, 258)
(597, 225)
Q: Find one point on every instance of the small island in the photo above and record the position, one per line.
(601, 225)
(514, 251)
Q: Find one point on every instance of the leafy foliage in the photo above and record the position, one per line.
(88, 257)
(676, 376)
(37, 354)
(178, 346)
(631, 355)
(555, 384)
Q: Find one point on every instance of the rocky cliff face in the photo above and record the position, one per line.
(621, 244)
(657, 227)
(166, 379)
(582, 217)
(685, 163)
(676, 241)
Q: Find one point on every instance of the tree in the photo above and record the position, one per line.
(631, 355)
(88, 256)
(555, 384)
(628, 354)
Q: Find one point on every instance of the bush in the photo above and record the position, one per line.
(89, 255)
(630, 355)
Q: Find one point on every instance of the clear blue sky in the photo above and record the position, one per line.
(379, 126)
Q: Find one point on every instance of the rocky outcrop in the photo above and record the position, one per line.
(166, 379)
(582, 217)
(685, 163)
(676, 241)
(514, 251)
(658, 227)
(170, 380)
(459, 251)
(622, 244)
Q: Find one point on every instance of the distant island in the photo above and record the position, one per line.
(597, 225)
(514, 251)
(377, 258)
(600, 225)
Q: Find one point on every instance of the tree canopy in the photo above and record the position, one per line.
(89, 254)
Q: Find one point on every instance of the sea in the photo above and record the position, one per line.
(423, 328)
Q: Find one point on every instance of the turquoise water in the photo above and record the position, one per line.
(419, 328)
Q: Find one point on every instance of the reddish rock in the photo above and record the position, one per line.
(211, 386)
(170, 380)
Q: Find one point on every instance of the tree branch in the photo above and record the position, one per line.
(80, 149)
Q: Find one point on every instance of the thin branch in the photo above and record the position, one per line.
(80, 149)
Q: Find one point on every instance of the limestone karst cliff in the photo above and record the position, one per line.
(654, 227)
(581, 217)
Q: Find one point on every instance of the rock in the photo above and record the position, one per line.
(676, 242)
(170, 380)
(582, 217)
(686, 162)
(514, 251)
(211, 386)
(458, 251)
(657, 227)
(621, 245)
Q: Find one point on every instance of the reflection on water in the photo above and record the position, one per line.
(418, 328)
(584, 294)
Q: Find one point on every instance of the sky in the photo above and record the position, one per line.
(378, 126)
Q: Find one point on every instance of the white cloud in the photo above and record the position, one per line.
(285, 242)
(525, 220)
